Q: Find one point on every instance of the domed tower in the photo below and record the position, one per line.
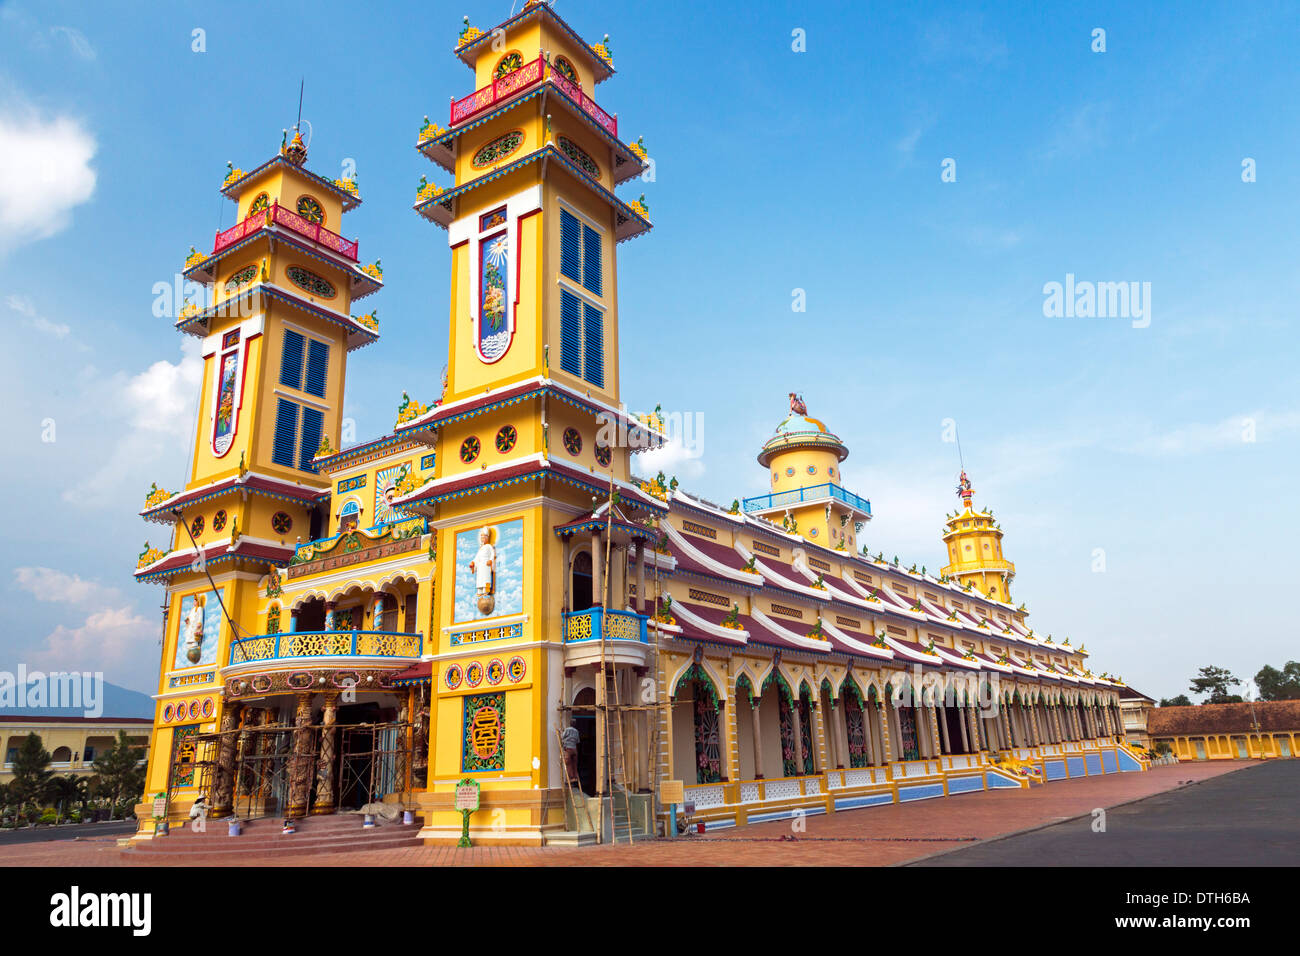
(807, 497)
(975, 548)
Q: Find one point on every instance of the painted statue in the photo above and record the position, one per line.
(797, 407)
(483, 567)
(963, 486)
(193, 630)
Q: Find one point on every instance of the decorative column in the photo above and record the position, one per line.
(293, 620)
(329, 615)
(325, 762)
(941, 715)
(832, 736)
(755, 701)
(301, 763)
(797, 720)
(597, 572)
(642, 599)
(377, 615)
(223, 799)
(886, 738)
(420, 741)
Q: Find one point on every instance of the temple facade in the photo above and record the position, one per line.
(489, 592)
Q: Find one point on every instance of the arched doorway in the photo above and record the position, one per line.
(584, 721)
(705, 722)
(855, 724)
(805, 730)
(908, 744)
(785, 706)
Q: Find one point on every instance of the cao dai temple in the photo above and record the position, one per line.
(487, 592)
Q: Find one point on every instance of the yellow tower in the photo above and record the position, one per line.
(807, 497)
(974, 544)
(529, 436)
(275, 334)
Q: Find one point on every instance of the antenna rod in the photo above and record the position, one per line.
(301, 83)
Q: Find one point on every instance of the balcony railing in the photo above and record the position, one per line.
(796, 496)
(290, 645)
(524, 78)
(275, 214)
(616, 625)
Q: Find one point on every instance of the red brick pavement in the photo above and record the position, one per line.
(875, 836)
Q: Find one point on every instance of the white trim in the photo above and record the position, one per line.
(565, 283)
(675, 536)
(486, 622)
(883, 653)
(581, 215)
(725, 633)
(280, 390)
(810, 643)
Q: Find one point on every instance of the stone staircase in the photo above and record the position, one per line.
(336, 833)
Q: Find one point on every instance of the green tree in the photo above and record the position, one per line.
(68, 793)
(1281, 684)
(120, 775)
(1215, 681)
(1182, 700)
(32, 773)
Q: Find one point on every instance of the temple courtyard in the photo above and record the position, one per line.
(1218, 812)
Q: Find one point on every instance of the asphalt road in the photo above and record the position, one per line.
(52, 834)
(1247, 818)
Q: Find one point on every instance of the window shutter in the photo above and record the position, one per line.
(570, 246)
(286, 432)
(312, 421)
(593, 342)
(291, 360)
(591, 259)
(318, 361)
(570, 333)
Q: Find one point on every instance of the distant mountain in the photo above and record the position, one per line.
(116, 702)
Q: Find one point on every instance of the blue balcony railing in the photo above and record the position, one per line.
(784, 499)
(295, 644)
(618, 625)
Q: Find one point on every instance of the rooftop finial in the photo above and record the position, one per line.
(797, 406)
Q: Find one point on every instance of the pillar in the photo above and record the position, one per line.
(961, 724)
(224, 798)
(836, 758)
(597, 573)
(758, 738)
(798, 737)
(293, 620)
(601, 693)
(941, 713)
(642, 599)
(325, 761)
(329, 615)
(301, 764)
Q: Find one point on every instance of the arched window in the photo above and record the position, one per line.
(855, 724)
(580, 582)
(562, 66)
(706, 722)
(61, 755)
(508, 64)
(349, 517)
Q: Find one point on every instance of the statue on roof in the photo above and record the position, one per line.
(964, 489)
(797, 407)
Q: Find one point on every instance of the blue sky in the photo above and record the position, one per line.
(775, 170)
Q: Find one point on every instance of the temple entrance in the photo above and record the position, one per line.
(585, 723)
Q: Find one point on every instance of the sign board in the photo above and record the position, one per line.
(159, 806)
(672, 791)
(688, 808)
(467, 795)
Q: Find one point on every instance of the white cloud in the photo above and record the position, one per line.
(77, 40)
(44, 173)
(24, 306)
(48, 584)
(674, 459)
(162, 397)
(1079, 132)
(108, 637)
(158, 407)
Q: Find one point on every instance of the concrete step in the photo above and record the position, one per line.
(332, 834)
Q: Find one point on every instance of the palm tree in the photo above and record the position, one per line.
(65, 791)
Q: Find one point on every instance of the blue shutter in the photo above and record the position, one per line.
(570, 333)
(318, 362)
(312, 420)
(286, 433)
(291, 360)
(593, 345)
(570, 246)
(591, 262)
